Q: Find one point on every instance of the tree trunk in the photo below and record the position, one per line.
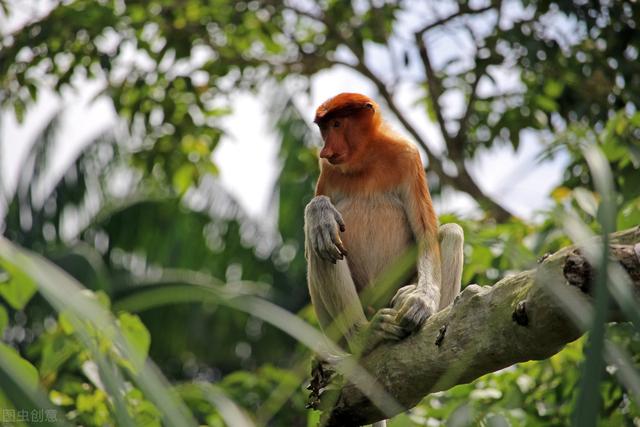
(520, 318)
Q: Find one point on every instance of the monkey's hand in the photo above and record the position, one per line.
(322, 222)
(413, 306)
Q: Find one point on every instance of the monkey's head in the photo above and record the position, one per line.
(346, 121)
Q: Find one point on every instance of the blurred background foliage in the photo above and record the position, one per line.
(143, 198)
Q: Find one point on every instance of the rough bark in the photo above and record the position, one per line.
(486, 329)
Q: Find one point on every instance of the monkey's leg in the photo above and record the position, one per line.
(335, 299)
(333, 292)
(340, 312)
(331, 286)
(451, 238)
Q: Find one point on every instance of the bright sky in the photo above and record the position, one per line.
(247, 156)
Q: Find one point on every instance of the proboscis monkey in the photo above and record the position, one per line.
(372, 207)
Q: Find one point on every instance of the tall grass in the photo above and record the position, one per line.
(611, 282)
(100, 333)
(94, 325)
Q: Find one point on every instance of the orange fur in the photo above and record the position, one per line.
(344, 104)
(379, 186)
(372, 205)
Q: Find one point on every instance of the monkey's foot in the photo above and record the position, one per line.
(382, 327)
(414, 307)
(385, 326)
(401, 295)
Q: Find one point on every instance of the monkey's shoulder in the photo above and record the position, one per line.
(399, 155)
(398, 166)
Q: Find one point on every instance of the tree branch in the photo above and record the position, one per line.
(518, 319)
(434, 85)
(434, 162)
(433, 82)
(459, 138)
(454, 143)
(459, 13)
(463, 181)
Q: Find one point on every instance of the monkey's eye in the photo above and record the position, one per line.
(336, 124)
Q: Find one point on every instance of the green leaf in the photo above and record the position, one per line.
(406, 420)
(586, 200)
(20, 386)
(136, 335)
(546, 103)
(553, 88)
(4, 320)
(209, 167)
(183, 177)
(57, 349)
(629, 215)
(66, 323)
(313, 418)
(635, 119)
(17, 288)
(60, 399)
(19, 367)
(19, 110)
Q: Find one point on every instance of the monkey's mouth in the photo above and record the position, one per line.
(335, 160)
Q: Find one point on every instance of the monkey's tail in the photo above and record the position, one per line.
(451, 239)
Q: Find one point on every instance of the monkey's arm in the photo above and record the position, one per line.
(333, 293)
(416, 303)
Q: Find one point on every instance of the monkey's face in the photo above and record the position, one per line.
(345, 138)
(336, 148)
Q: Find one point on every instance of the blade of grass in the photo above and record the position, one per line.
(19, 381)
(65, 294)
(193, 289)
(587, 407)
(580, 311)
(229, 410)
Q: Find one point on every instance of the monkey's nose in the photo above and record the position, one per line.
(326, 154)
